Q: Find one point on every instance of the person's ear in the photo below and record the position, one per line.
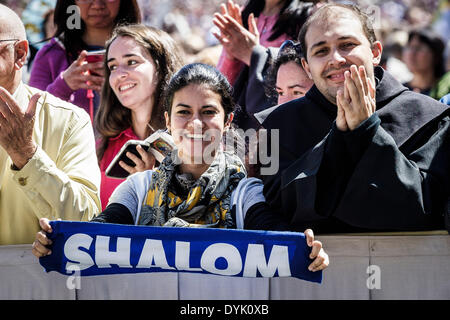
(167, 118)
(377, 50)
(20, 54)
(306, 68)
(229, 121)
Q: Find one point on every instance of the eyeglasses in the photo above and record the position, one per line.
(90, 1)
(5, 40)
(289, 45)
(9, 40)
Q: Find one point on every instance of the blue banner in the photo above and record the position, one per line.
(100, 248)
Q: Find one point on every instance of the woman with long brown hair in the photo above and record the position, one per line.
(60, 67)
(139, 62)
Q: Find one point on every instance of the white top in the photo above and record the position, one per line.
(131, 193)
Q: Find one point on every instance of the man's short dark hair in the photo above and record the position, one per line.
(323, 12)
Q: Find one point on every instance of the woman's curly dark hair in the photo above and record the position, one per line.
(288, 55)
(200, 73)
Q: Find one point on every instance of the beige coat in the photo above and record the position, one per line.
(61, 180)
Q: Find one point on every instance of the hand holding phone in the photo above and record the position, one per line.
(96, 57)
(77, 76)
(149, 154)
(125, 161)
(143, 160)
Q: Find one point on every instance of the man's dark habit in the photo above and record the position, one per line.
(390, 173)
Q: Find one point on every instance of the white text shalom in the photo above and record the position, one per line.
(153, 255)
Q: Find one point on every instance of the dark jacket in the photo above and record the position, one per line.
(390, 173)
(248, 90)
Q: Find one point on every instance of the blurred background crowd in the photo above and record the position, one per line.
(190, 24)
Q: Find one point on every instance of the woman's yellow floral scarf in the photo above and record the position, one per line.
(207, 203)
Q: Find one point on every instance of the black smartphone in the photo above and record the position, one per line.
(114, 170)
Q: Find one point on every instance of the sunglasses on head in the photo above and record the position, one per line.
(289, 45)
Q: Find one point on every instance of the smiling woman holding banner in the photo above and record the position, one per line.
(201, 183)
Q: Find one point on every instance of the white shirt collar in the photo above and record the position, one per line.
(15, 94)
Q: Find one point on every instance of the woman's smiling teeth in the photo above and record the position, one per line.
(195, 136)
(126, 87)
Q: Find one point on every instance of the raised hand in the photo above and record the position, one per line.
(16, 128)
(237, 41)
(356, 101)
(77, 75)
(232, 9)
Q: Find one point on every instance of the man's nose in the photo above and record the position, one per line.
(336, 57)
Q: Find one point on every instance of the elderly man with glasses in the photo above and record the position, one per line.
(48, 166)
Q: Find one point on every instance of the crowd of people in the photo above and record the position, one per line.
(357, 148)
